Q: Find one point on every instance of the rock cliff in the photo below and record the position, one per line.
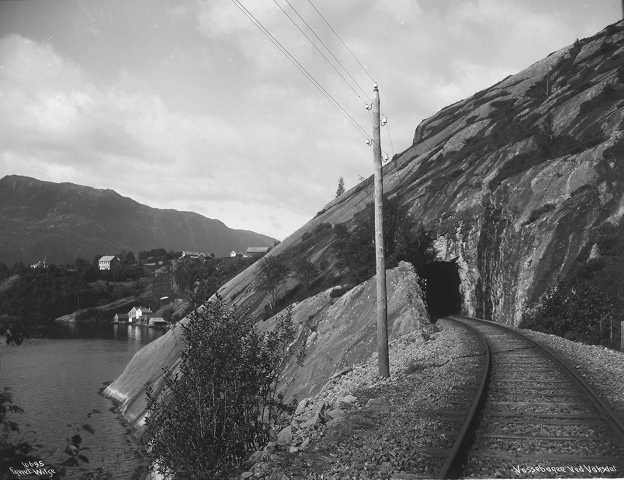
(513, 181)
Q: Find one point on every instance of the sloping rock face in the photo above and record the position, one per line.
(512, 181)
(336, 333)
(146, 367)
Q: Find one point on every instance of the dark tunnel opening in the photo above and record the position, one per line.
(442, 292)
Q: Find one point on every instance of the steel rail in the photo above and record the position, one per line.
(600, 404)
(455, 455)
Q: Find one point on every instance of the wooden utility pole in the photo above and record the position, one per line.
(383, 361)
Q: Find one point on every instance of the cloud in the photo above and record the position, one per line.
(132, 140)
(216, 18)
(187, 105)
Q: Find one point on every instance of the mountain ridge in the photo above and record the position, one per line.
(62, 221)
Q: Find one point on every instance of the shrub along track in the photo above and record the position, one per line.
(534, 417)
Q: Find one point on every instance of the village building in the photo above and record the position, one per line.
(108, 263)
(139, 314)
(157, 322)
(256, 251)
(39, 265)
(120, 318)
(191, 254)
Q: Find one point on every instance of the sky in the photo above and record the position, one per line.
(185, 104)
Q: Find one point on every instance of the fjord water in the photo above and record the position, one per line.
(56, 380)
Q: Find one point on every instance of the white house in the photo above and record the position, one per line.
(139, 314)
(132, 315)
(108, 262)
(41, 264)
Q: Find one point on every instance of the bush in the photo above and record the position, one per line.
(586, 305)
(220, 403)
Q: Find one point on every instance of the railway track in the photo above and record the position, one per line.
(532, 416)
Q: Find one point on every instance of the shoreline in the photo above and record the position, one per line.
(142, 470)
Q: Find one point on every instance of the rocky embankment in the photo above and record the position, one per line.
(602, 367)
(333, 335)
(359, 426)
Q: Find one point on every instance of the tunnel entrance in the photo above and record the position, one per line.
(443, 297)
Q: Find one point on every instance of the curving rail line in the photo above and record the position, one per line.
(532, 415)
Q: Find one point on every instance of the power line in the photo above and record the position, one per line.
(329, 50)
(342, 41)
(298, 64)
(346, 46)
(306, 35)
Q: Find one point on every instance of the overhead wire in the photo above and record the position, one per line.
(316, 47)
(329, 50)
(350, 51)
(277, 44)
(291, 57)
(341, 40)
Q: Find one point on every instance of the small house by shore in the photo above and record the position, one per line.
(157, 322)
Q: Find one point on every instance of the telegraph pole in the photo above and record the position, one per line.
(383, 361)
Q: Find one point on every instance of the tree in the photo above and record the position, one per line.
(273, 271)
(220, 403)
(305, 271)
(341, 188)
(586, 304)
(404, 239)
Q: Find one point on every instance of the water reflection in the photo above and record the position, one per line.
(125, 332)
(56, 380)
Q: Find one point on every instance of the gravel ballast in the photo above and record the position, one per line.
(389, 428)
(601, 367)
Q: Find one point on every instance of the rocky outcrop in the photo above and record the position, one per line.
(513, 181)
(333, 333)
(146, 367)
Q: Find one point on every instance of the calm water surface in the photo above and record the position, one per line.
(56, 380)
